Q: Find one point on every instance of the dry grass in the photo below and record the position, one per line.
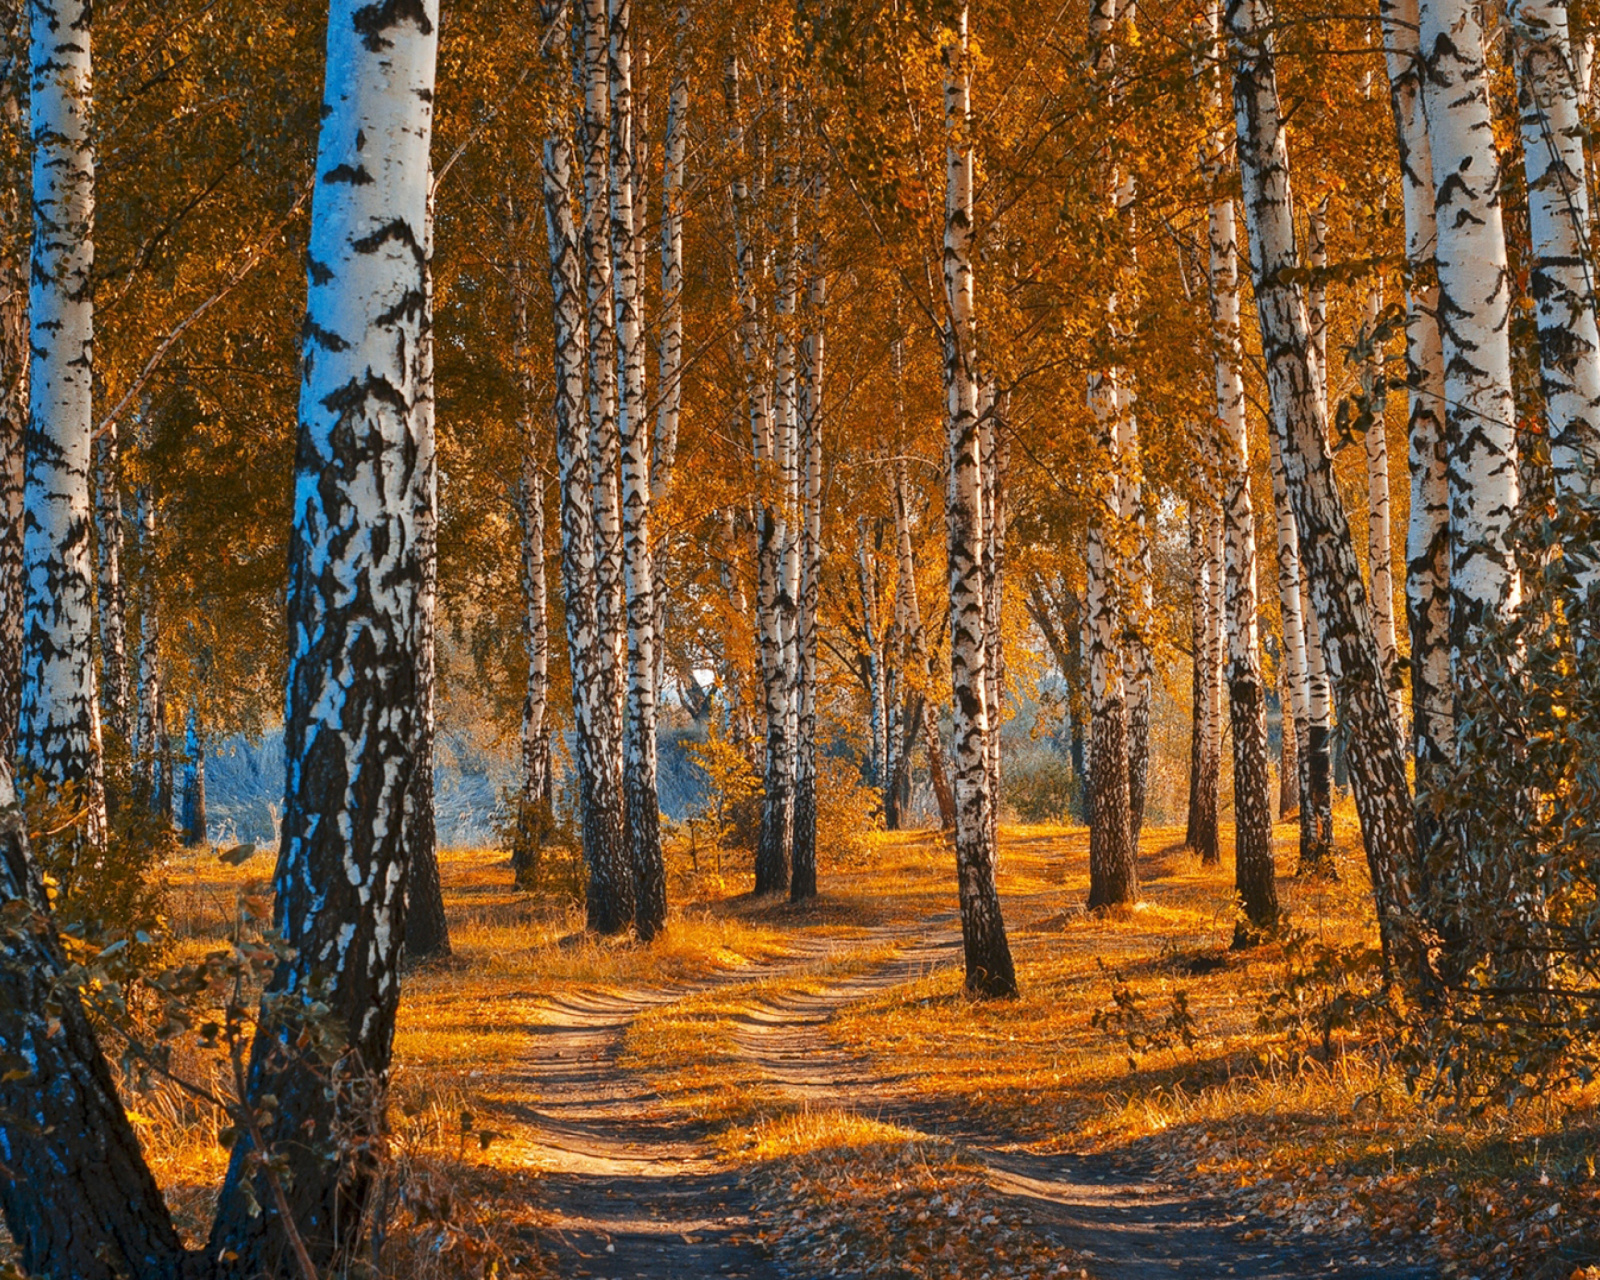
(1305, 1143)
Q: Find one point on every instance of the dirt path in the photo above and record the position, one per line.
(638, 1196)
(1131, 1226)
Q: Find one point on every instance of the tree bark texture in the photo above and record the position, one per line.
(803, 875)
(1254, 871)
(537, 794)
(641, 805)
(1377, 762)
(1205, 741)
(58, 733)
(989, 967)
(357, 577)
(1474, 309)
(609, 894)
(79, 1200)
(611, 889)
(112, 594)
(1562, 280)
(193, 820)
(13, 390)
(1428, 527)
(427, 930)
(921, 651)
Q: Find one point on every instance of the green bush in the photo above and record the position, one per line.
(1039, 786)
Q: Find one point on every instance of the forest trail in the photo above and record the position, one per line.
(638, 1193)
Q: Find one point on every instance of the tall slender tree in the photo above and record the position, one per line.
(1254, 870)
(1428, 526)
(58, 734)
(355, 596)
(989, 967)
(641, 805)
(1377, 771)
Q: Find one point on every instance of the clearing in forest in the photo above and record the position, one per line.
(782, 1090)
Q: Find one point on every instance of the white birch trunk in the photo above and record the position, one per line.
(1475, 297)
(1562, 283)
(535, 735)
(147, 726)
(642, 807)
(1377, 771)
(669, 366)
(111, 597)
(1255, 872)
(357, 584)
(989, 969)
(922, 655)
(1380, 537)
(615, 911)
(13, 394)
(58, 733)
(1428, 527)
(589, 647)
(813, 351)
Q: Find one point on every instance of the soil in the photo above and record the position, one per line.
(638, 1195)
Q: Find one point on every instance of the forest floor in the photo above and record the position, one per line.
(775, 1090)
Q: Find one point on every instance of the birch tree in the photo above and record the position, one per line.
(989, 970)
(536, 797)
(1428, 527)
(1562, 268)
(1112, 875)
(813, 350)
(13, 383)
(79, 1201)
(1255, 873)
(356, 581)
(111, 596)
(58, 733)
(641, 806)
(1474, 309)
(594, 707)
(1377, 763)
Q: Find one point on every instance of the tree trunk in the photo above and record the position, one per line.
(1316, 827)
(194, 783)
(147, 731)
(58, 732)
(1205, 738)
(537, 797)
(427, 930)
(1377, 761)
(669, 366)
(875, 658)
(1562, 282)
(641, 803)
(1292, 614)
(112, 599)
(1288, 750)
(1475, 297)
(1254, 871)
(78, 1198)
(610, 879)
(988, 954)
(920, 650)
(611, 890)
(1428, 529)
(13, 386)
(355, 705)
(993, 449)
(803, 879)
(1380, 548)
(1139, 672)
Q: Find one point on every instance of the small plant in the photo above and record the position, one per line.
(1127, 1020)
(1329, 989)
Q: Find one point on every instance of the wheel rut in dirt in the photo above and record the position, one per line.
(1126, 1224)
(634, 1192)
